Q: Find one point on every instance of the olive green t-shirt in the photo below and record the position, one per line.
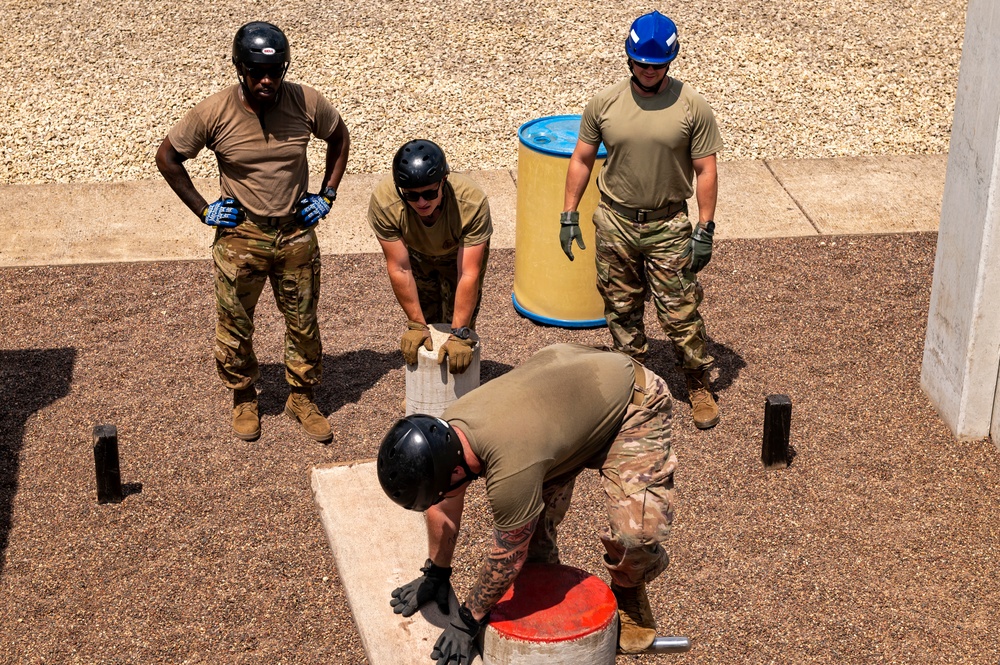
(650, 142)
(262, 164)
(464, 219)
(549, 416)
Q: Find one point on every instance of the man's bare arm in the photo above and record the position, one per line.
(444, 520)
(171, 166)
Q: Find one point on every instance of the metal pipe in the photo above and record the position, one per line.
(669, 645)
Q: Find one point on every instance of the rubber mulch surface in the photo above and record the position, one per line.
(878, 544)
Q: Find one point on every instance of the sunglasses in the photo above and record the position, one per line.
(259, 73)
(643, 65)
(425, 194)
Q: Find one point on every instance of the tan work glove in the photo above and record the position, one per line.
(459, 352)
(416, 335)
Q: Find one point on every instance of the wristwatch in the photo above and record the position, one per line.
(465, 332)
(329, 193)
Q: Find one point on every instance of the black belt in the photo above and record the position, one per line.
(641, 216)
(269, 221)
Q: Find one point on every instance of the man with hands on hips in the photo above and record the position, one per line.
(265, 220)
(434, 228)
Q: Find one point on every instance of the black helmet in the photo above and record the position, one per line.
(418, 164)
(416, 459)
(260, 43)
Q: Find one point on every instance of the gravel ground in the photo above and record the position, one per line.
(100, 83)
(877, 545)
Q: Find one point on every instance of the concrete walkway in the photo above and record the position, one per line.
(144, 221)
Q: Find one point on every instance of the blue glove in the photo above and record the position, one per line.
(312, 208)
(224, 212)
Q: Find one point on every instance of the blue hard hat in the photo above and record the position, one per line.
(652, 39)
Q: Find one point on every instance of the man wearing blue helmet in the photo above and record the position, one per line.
(660, 135)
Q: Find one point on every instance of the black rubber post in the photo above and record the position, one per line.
(109, 477)
(777, 426)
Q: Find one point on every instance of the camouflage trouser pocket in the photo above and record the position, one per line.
(641, 455)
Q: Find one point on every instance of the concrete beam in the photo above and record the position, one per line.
(377, 546)
(962, 347)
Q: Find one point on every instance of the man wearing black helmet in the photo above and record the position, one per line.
(576, 407)
(660, 135)
(434, 228)
(265, 219)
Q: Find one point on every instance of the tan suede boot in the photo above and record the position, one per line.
(704, 410)
(246, 422)
(637, 628)
(300, 407)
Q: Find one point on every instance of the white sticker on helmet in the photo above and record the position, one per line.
(673, 38)
(635, 37)
(267, 50)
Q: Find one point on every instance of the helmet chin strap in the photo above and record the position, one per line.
(647, 88)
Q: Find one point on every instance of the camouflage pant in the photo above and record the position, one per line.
(635, 260)
(246, 257)
(638, 480)
(437, 281)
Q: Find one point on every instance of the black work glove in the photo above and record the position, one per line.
(569, 230)
(701, 246)
(458, 641)
(434, 584)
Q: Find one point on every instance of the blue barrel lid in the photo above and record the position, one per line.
(554, 135)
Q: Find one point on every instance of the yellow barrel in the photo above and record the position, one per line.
(548, 287)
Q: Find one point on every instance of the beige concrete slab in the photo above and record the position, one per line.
(377, 546)
(502, 190)
(97, 223)
(892, 194)
(144, 221)
(752, 204)
(345, 230)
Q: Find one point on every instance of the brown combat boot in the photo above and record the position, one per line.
(300, 407)
(246, 422)
(637, 628)
(704, 410)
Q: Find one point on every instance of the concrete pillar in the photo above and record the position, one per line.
(553, 615)
(962, 349)
(430, 388)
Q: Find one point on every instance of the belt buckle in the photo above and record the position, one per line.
(640, 216)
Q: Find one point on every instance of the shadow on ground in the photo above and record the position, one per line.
(30, 380)
(662, 360)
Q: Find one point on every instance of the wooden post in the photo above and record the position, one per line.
(109, 477)
(777, 426)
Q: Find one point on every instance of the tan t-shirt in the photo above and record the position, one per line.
(650, 141)
(464, 219)
(549, 416)
(262, 164)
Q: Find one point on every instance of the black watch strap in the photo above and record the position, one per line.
(329, 193)
(465, 332)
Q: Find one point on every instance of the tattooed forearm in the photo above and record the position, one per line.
(510, 549)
